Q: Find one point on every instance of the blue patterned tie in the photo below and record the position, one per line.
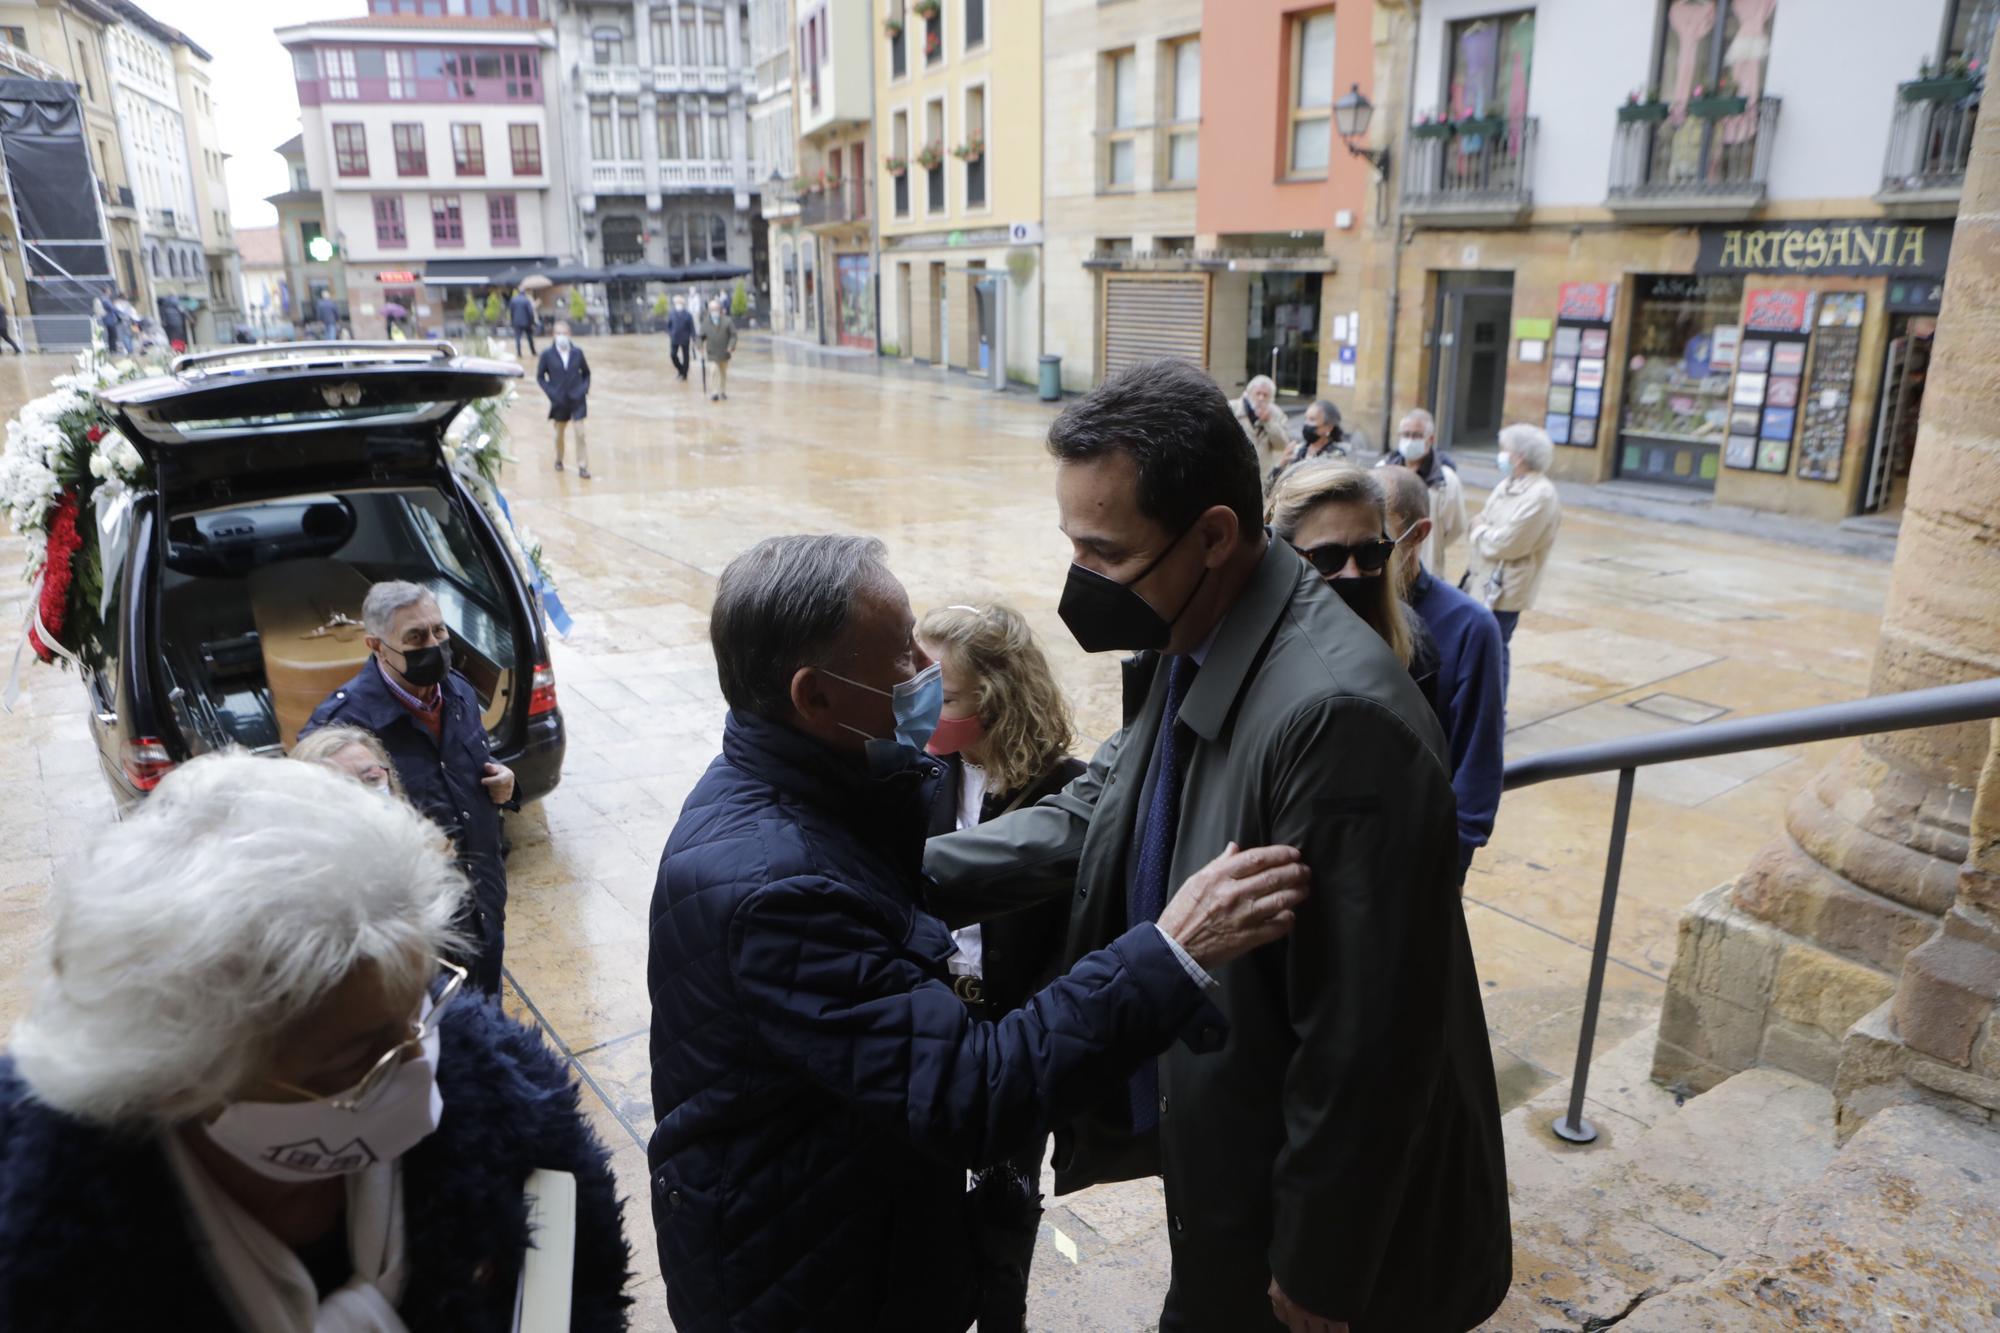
(1148, 894)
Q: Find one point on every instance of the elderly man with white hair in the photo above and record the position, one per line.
(249, 1094)
(1416, 449)
(1263, 422)
(1511, 541)
(428, 718)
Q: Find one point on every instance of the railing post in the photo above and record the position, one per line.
(1571, 1126)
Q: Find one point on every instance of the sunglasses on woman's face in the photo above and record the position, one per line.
(1370, 557)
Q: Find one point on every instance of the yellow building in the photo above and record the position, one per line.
(958, 117)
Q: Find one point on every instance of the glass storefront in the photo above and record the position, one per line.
(1681, 352)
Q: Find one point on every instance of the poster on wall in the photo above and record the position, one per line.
(1765, 395)
(1836, 348)
(1579, 343)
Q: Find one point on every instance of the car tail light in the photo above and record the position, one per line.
(543, 698)
(146, 761)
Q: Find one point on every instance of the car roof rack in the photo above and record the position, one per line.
(311, 355)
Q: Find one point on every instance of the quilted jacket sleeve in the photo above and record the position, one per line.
(834, 996)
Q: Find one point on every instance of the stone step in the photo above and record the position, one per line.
(1653, 1204)
(1901, 1231)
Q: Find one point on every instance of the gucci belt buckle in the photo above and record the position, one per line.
(969, 988)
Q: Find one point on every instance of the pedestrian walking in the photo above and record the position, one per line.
(821, 1084)
(1416, 449)
(718, 339)
(521, 313)
(1324, 1146)
(327, 314)
(1004, 734)
(248, 1094)
(1470, 698)
(173, 323)
(1516, 530)
(564, 374)
(1262, 421)
(117, 333)
(680, 337)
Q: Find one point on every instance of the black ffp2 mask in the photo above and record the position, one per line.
(1105, 614)
(425, 666)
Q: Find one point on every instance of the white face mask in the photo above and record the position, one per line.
(1412, 447)
(1505, 462)
(562, 342)
(300, 1142)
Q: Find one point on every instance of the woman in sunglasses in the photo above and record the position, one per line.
(247, 1095)
(1335, 515)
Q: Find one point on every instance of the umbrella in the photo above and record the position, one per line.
(394, 310)
(577, 273)
(709, 271)
(535, 282)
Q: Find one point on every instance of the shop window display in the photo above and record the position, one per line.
(1682, 351)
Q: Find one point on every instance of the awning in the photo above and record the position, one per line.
(487, 272)
(639, 270)
(710, 271)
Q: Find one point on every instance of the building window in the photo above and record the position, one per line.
(350, 150)
(1310, 131)
(670, 132)
(504, 225)
(690, 53)
(899, 139)
(600, 135)
(1489, 66)
(447, 224)
(718, 133)
(975, 23)
(663, 39)
(974, 147)
(607, 47)
(718, 237)
(899, 42)
(389, 221)
(15, 37)
(1184, 111)
(336, 68)
(82, 66)
(934, 140)
(934, 38)
(677, 240)
(1121, 118)
(468, 150)
(410, 159)
(402, 75)
(628, 131)
(524, 142)
(713, 49)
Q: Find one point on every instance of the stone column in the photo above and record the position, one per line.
(1878, 885)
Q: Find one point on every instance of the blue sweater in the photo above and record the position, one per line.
(1471, 702)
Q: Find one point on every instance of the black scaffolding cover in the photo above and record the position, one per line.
(56, 213)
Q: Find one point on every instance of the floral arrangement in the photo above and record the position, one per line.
(474, 448)
(67, 478)
(896, 166)
(972, 149)
(893, 27)
(926, 9)
(932, 45)
(931, 156)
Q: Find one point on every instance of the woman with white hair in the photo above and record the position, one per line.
(247, 1095)
(1263, 422)
(1511, 540)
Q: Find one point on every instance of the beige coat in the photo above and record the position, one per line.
(1272, 437)
(1511, 541)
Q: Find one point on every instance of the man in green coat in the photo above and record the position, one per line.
(718, 344)
(1330, 1136)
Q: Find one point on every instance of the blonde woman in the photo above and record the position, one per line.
(1004, 734)
(352, 751)
(1337, 517)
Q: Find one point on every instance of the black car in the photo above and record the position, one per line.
(286, 481)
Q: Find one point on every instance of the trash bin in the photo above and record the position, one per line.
(1051, 378)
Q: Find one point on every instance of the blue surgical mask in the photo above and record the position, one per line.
(916, 702)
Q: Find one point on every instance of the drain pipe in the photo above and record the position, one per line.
(1396, 252)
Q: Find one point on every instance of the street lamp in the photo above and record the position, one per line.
(1351, 115)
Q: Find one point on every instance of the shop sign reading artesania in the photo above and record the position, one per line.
(1861, 247)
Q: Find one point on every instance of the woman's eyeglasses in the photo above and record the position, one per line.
(1329, 558)
(362, 1093)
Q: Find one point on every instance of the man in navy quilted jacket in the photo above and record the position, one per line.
(821, 1088)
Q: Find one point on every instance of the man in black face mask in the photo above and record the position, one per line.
(428, 718)
(1331, 1144)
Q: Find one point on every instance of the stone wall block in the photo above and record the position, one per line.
(1806, 1051)
(1788, 889)
(1825, 992)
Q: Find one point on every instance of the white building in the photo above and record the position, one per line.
(657, 93)
(774, 143)
(153, 133)
(436, 146)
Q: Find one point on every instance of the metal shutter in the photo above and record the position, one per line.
(1153, 315)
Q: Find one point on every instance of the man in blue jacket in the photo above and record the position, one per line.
(564, 374)
(1471, 693)
(821, 1087)
(680, 337)
(428, 718)
(521, 314)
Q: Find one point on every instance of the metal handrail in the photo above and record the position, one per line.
(1939, 706)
